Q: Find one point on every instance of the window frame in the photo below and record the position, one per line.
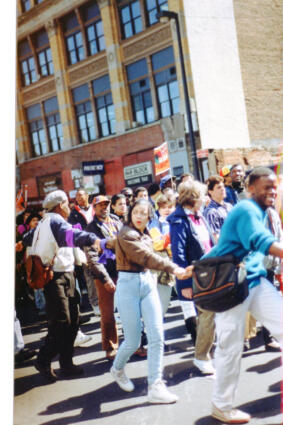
(141, 94)
(67, 34)
(44, 126)
(97, 97)
(157, 9)
(25, 59)
(127, 3)
(82, 102)
(94, 21)
(43, 49)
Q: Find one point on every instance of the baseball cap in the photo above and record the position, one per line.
(164, 180)
(225, 170)
(53, 199)
(100, 198)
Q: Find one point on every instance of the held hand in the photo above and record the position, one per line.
(189, 271)
(110, 287)
(96, 245)
(187, 293)
(19, 246)
(180, 273)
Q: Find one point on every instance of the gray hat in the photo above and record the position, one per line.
(53, 199)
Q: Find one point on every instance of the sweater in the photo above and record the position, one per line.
(244, 234)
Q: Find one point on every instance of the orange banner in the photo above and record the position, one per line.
(161, 159)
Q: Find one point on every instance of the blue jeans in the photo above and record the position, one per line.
(136, 296)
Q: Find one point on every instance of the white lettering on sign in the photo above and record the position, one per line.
(138, 170)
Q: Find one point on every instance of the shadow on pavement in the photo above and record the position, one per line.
(91, 404)
(267, 367)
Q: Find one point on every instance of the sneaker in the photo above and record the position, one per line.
(122, 380)
(23, 355)
(158, 393)
(71, 371)
(81, 338)
(46, 372)
(233, 416)
(96, 310)
(204, 366)
(272, 346)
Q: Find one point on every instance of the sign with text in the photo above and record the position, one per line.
(161, 159)
(138, 174)
(49, 183)
(91, 168)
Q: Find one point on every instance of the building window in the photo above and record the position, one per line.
(139, 84)
(26, 5)
(154, 6)
(43, 51)
(27, 63)
(73, 38)
(104, 105)
(84, 114)
(130, 18)
(94, 28)
(166, 82)
(36, 129)
(53, 123)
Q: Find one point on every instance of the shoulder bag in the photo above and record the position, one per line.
(219, 283)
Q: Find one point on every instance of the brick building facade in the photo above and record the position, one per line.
(101, 81)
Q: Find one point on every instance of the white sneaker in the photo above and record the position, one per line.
(122, 380)
(205, 366)
(233, 416)
(158, 393)
(81, 338)
(96, 310)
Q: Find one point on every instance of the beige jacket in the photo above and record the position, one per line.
(134, 252)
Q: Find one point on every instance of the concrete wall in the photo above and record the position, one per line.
(216, 73)
(260, 33)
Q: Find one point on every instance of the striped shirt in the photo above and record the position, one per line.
(215, 215)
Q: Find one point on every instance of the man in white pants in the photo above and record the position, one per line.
(245, 235)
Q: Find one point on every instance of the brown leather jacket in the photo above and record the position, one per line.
(134, 252)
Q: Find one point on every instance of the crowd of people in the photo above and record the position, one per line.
(130, 252)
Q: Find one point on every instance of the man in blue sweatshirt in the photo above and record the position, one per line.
(245, 235)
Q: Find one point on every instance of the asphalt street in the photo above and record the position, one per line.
(95, 399)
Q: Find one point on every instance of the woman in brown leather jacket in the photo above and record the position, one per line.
(137, 296)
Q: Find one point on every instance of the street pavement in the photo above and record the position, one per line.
(95, 399)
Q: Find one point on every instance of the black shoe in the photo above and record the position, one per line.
(23, 355)
(46, 372)
(272, 346)
(71, 371)
(84, 319)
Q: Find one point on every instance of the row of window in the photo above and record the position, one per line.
(93, 104)
(26, 4)
(84, 35)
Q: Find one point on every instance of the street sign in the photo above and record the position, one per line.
(91, 168)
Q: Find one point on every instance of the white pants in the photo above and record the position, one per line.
(266, 304)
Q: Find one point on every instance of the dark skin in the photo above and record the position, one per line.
(263, 191)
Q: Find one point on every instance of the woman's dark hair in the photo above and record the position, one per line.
(139, 189)
(116, 197)
(213, 181)
(32, 215)
(140, 202)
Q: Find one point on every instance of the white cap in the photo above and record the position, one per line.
(53, 199)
